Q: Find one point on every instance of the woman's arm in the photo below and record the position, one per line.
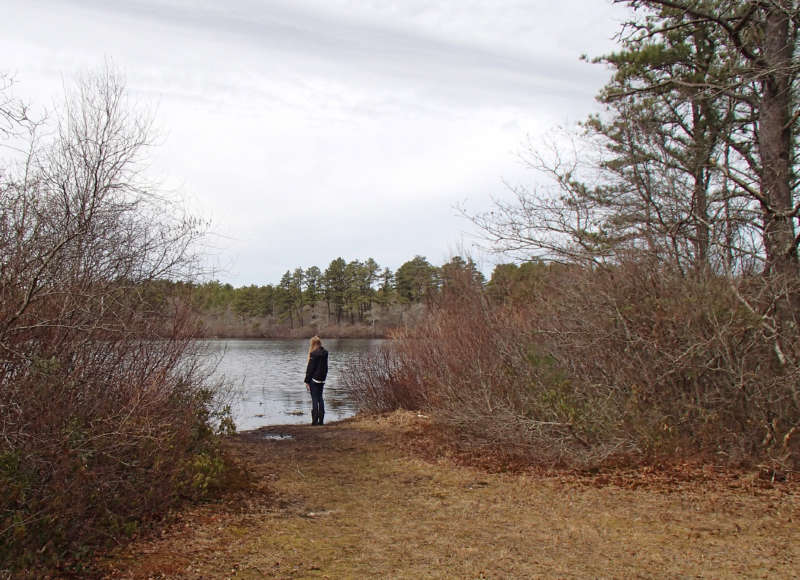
(311, 367)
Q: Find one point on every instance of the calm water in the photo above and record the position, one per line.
(267, 376)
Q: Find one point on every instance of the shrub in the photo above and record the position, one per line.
(631, 361)
(104, 419)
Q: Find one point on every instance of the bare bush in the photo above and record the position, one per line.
(378, 382)
(475, 368)
(629, 362)
(102, 420)
(675, 364)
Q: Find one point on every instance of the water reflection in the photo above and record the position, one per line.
(267, 376)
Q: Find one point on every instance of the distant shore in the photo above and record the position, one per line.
(381, 324)
(279, 332)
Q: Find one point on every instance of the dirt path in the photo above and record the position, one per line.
(351, 500)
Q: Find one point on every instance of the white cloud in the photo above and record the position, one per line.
(317, 128)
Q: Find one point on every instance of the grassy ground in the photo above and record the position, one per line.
(358, 499)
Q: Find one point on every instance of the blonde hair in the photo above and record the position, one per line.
(314, 343)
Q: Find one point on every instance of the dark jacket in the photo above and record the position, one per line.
(317, 367)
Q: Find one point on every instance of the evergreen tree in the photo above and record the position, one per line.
(458, 270)
(312, 278)
(335, 286)
(757, 48)
(296, 293)
(386, 289)
(665, 140)
(284, 299)
(416, 280)
(354, 273)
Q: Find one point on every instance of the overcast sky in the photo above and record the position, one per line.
(312, 129)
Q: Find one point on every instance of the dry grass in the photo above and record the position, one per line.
(355, 500)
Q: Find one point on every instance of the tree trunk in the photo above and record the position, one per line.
(775, 150)
(700, 186)
(775, 143)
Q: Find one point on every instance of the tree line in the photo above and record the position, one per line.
(349, 290)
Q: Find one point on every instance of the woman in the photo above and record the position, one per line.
(316, 371)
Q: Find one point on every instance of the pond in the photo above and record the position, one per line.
(267, 378)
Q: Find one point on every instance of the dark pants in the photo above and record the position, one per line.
(317, 404)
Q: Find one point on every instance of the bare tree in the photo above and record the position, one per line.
(14, 114)
(101, 411)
